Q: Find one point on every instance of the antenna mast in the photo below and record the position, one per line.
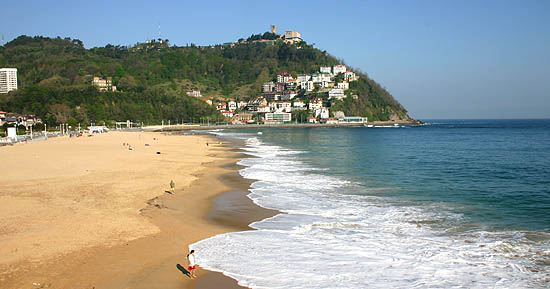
(159, 32)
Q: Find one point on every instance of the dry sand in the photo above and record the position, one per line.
(88, 212)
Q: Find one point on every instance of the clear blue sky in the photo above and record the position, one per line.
(440, 58)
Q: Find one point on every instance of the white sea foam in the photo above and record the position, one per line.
(326, 238)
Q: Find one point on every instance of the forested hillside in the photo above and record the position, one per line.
(55, 76)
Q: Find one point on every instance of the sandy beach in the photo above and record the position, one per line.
(89, 212)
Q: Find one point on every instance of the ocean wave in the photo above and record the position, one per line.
(328, 238)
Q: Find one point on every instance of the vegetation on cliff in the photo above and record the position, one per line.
(55, 76)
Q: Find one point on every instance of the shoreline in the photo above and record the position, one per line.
(184, 127)
(194, 212)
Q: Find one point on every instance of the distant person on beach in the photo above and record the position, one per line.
(172, 185)
(192, 266)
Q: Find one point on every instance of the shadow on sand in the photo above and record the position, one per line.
(185, 272)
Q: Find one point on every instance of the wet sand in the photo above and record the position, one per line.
(88, 212)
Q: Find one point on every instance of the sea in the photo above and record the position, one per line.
(447, 204)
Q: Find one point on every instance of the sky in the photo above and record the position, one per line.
(439, 58)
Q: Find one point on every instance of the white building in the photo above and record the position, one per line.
(8, 79)
(331, 121)
(325, 69)
(353, 119)
(326, 84)
(268, 86)
(292, 84)
(242, 104)
(227, 113)
(277, 117)
(343, 85)
(255, 104)
(315, 103)
(103, 84)
(307, 85)
(232, 105)
(284, 77)
(303, 77)
(350, 76)
(321, 77)
(292, 36)
(288, 95)
(299, 105)
(280, 106)
(339, 68)
(264, 108)
(337, 93)
(322, 112)
(194, 93)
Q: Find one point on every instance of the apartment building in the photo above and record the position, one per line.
(8, 79)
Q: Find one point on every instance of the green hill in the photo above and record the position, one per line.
(55, 77)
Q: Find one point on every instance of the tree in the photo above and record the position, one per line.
(61, 112)
(72, 122)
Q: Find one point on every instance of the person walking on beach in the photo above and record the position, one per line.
(192, 266)
(172, 186)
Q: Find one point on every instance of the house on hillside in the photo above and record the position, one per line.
(303, 77)
(336, 93)
(325, 69)
(271, 96)
(232, 105)
(268, 86)
(292, 84)
(194, 93)
(279, 87)
(30, 120)
(350, 76)
(322, 112)
(307, 85)
(343, 85)
(280, 106)
(241, 104)
(298, 105)
(321, 77)
(288, 95)
(339, 68)
(221, 106)
(315, 103)
(283, 77)
(103, 84)
(292, 37)
(256, 103)
(227, 113)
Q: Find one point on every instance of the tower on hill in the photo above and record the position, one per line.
(273, 29)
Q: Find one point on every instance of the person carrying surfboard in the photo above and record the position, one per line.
(192, 266)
